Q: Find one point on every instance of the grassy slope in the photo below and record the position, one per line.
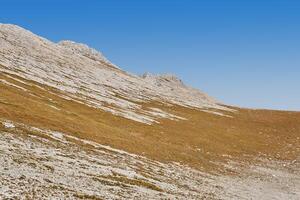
(201, 141)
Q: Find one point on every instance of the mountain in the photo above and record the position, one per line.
(74, 125)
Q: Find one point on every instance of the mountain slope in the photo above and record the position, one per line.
(87, 76)
(67, 93)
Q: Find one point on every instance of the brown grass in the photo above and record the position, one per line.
(201, 141)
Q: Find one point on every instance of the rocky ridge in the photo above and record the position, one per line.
(87, 76)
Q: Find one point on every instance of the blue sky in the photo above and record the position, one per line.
(244, 53)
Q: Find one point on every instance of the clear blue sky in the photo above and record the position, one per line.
(244, 53)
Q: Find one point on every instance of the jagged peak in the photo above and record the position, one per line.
(16, 33)
(86, 51)
(163, 78)
(82, 48)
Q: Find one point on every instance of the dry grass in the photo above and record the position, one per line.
(201, 141)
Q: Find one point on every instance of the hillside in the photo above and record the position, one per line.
(74, 125)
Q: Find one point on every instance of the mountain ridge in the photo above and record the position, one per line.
(74, 127)
(60, 65)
